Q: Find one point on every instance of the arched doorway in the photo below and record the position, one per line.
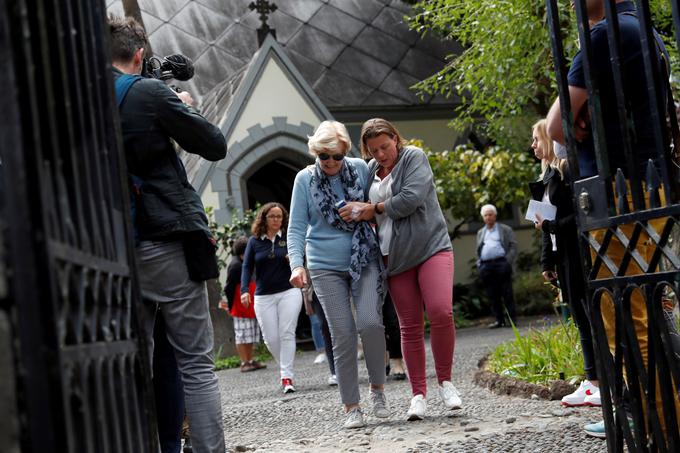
(272, 182)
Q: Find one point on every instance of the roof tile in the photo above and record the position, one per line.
(200, 20)
(364, 10)
(302, 10)
(328, 18)
(382, 46)
(233, 9)
(244, 36)
(360, 66)
(392, 22)
(168, 39)
(337, 90)
(164, 10)
(286, 26)
(317, 45)
(419, 64)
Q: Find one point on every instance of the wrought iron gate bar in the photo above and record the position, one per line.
(95, 351)
(618, 76)
(656, 88)
(73, 255)
(658, 277)
(84, 368)
(641, 216)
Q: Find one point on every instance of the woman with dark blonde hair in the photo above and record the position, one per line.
(277, 303)
(416, 248)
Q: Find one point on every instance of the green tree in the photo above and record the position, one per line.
(466, 179)
(504, 75)
(226, 234)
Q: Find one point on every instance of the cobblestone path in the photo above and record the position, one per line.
(258, 417)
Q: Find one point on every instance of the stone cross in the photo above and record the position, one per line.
(264, 8)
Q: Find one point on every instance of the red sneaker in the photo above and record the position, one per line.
(287, 385)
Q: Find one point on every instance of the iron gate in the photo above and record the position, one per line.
(82, 378)
(625, 224)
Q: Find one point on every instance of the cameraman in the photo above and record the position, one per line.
(175, 250)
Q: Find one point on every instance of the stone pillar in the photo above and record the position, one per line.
(222, 323)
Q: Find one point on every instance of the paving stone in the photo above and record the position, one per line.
(255, 413)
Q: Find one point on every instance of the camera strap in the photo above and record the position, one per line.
(123, 84)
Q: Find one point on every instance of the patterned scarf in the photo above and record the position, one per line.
(364, 243)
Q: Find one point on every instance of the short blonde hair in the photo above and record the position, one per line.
(330, 136)
(375, 127)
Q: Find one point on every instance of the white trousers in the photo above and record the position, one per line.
(278, 315)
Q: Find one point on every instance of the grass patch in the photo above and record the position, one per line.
(541, 355)
(261, 354)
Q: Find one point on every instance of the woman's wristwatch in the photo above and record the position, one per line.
(375, 208)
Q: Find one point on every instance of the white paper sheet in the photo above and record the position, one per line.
(545, 210)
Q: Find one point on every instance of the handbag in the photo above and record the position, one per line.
(200, 254)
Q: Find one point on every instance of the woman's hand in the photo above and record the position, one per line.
(245, 299)
(298, 278)
(538, 224)
(356, 211)
(549, 276)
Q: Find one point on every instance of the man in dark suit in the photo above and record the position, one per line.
(496, 253)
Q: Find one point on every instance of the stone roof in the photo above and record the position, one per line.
(355, 54)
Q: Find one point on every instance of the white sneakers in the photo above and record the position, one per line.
(447, 392)
(320, 358)
(417, 409)
(332, 380)
(585, 395)
(449, 395)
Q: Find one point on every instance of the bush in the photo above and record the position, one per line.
(261, 354)
(533, 295)
(541, 356)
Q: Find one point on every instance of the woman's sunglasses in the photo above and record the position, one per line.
(336, 157)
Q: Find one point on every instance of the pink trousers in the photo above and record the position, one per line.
(427, 286)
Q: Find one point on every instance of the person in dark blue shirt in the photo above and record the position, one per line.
(277, 303)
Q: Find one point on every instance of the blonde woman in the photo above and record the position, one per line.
(342, 258)
(560, 258)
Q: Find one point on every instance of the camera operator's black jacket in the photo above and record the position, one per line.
(151, 115)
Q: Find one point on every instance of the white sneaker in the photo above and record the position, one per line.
(578, 398)
(417, 409)
(593, 399)
(355, 419)
(320, 358)
(332, 380)
(449, 395)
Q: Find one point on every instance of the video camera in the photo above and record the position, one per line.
(175, 66)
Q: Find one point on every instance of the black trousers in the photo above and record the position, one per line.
(168, 390)
(496, 276)
(392, 332)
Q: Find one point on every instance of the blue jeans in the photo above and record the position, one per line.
(183, 304)
(317, 336)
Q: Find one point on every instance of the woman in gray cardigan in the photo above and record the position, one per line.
(415, 244)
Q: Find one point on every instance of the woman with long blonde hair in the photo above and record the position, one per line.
(560, 257)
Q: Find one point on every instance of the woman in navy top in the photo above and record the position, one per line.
(277, 303)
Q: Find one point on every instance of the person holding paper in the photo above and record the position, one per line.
(496, 253)
(560, 257)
